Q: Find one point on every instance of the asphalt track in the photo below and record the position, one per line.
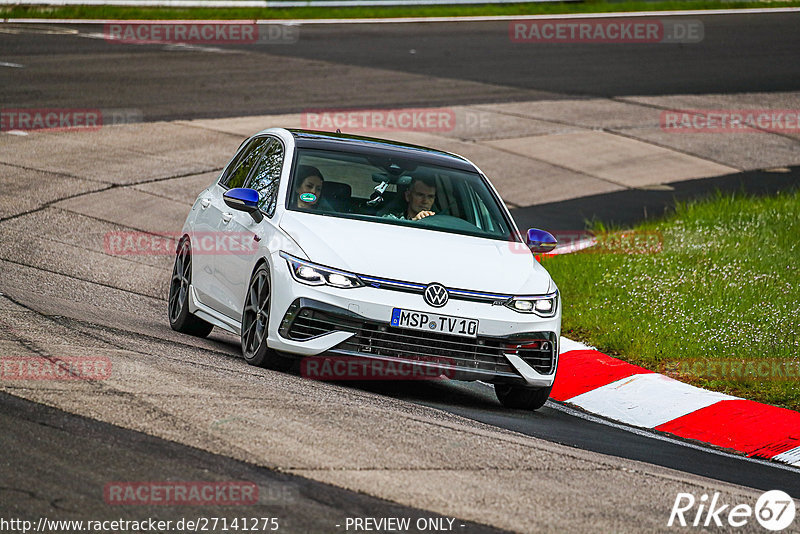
(52, 461)
(386, 65)
(370, 65)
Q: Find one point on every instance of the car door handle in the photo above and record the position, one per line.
(204, 203)
(226, 217)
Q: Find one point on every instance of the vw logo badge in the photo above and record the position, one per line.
(436, 295)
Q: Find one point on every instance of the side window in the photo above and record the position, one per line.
(240, 168)
(267, 176)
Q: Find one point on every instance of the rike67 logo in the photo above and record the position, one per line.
(774, 510)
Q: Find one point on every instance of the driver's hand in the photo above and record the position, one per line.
(422, 215)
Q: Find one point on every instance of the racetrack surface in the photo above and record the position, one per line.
(386, 65)
(445, 447)
(60, 460)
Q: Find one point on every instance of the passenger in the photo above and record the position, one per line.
(308, 187)
(419, 200)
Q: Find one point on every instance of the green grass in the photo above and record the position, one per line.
(725, 286)
(590, 6)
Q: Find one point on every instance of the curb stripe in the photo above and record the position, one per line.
(744, 425)
(633, 395)
(647, 400)
(773, 450)
(580, 371)
(791, 457)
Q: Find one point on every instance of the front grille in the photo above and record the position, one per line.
(376, 339)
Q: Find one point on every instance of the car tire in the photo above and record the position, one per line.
(178, 302)
(255, 323)
(521, 397)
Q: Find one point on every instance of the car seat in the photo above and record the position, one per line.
(338, 195)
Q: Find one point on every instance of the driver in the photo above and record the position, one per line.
(419, 200)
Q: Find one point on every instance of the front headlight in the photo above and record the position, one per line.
(542, 305)
(312, 274)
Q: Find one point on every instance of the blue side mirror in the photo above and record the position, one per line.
(540, 241)
(243, 199)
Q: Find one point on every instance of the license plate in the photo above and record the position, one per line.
(433, 322)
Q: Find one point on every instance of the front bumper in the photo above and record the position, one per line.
(510, 347)
(484, 358)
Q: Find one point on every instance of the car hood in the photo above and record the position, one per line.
(417, 254)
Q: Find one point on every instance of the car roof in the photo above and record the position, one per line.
(373, 145)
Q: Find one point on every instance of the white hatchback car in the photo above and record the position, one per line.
(339, 246)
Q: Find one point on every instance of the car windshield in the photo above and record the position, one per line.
(395, 191)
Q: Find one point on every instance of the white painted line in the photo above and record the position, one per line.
(12, 65)
(185, 47)
(660, 437)
(95, 35)
(400, 20)
(646, 400)
(16, 132)
(491, 18)
(568, 345)
(791, 457)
